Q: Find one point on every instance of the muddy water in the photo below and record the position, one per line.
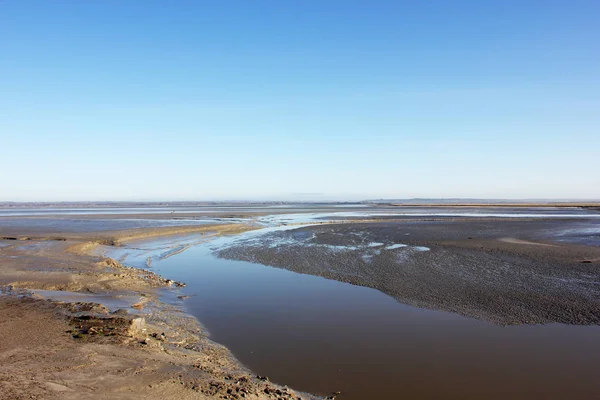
(323, 336)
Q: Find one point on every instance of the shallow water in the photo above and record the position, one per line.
(209, 209)
(309, 217)
(322, 336)
(111, 301)
(40, 224)
(585, 232)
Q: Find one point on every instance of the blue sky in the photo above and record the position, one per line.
(299, 100)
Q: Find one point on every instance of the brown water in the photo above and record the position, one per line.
(322, 336)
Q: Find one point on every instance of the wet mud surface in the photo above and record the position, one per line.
(506, 272)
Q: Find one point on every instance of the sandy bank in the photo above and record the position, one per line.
(77, 349)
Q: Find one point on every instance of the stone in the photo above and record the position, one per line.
(137, 326)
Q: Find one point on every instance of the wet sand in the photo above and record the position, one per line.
(76, 325)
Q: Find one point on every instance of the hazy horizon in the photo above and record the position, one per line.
(449, 201)
(299, 101)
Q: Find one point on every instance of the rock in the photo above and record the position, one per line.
(137, 326)
(94, 330)
(56, 387)
(193, 347)
(111, 262)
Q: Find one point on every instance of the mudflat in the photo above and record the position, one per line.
(504, 271)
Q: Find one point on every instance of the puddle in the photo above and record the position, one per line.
(396, 246)
(421, 248)
(111, 301)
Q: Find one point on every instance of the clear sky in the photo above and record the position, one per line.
(299, 100)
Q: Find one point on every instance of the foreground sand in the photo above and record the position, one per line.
(80, 349)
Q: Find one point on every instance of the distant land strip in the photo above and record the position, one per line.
(506, 205)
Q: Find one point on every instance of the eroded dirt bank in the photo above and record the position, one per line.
(134, 347)
(503, 271)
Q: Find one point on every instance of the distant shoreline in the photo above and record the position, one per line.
(496, 205)
(275, 204)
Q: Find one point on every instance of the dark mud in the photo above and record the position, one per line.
(507, 272)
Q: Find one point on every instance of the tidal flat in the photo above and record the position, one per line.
(365, 301)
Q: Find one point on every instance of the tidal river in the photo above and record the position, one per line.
(323, 336)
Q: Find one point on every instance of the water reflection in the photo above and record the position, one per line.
(322, 336)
